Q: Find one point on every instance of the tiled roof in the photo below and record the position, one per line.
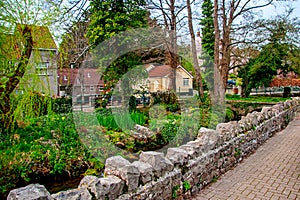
(41, 36)
(42, 39)
(159, 71)
(69, 77)
(163, 70)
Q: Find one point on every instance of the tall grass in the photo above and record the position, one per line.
(121, 120)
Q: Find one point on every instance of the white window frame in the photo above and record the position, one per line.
(42, 68)
(185, 81)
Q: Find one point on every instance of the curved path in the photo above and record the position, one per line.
(272, 172)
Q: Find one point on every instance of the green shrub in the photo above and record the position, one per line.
(229, 114)
(120, 121)
(62, 105)
(287, 92)
(132, 104)
(173, 107)
(43, 147)
(169, 131)
(186, 186)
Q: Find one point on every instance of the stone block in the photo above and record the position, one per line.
(93, 185)
(209, 137)
(112, 186)
(74, 194)
(177, 156)
(160, 164)
(87, 181)
(146, 171)
(30, 192)
(131, 175)
(114, 164)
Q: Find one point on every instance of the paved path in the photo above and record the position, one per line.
(272, 172)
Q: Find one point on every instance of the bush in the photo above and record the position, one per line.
(229, 114)
(132, 104)
(286, 92)
(62, 105)
(173, 107)
(101, 102)
(169, 131)
(45, 148)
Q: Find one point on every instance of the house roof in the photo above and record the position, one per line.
(69, 76)
(159, 71)
(42, 38)
(163, 70)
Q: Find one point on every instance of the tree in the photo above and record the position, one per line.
(111, 17)
(208, 40)
(16, 49)
(12, 74)
(225, 20)
(74, 46)
(17, 18)
(168, 13)
(207, 23)
(108, 18)
(274, 56)
(194, 52)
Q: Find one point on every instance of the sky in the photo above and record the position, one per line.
(280, 6)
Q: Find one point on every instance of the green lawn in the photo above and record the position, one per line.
(266, 99)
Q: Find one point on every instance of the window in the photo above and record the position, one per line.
(101, 88)
(42, 68)
(89, 76)
(65, 78)
(92, 88)
(185, 81)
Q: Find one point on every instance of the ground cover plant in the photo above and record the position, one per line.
(44, 148)
(47, 145)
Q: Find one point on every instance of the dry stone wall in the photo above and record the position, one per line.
(184, 170)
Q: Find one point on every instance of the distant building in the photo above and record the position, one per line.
(42, 61)
(159, 79)
(83, 84)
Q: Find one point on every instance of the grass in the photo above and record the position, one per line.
(265, 99)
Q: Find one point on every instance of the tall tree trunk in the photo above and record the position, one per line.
(14, 79)
(194, 52)
(172, 47)
(217, 78)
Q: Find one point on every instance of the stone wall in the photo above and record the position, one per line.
(183, 171)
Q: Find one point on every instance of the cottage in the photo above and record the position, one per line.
(40, 74)
(82, 84)
(159, 79)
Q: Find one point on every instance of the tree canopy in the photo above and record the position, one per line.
(277, 55)
(111, 17)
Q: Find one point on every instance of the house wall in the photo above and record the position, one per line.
(41, 74)
(180, 87)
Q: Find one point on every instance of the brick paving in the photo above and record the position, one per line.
(272, 172)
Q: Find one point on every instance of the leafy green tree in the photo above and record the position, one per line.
(111, 17)
(207, 23)
(275, 55)
(108, 18)
(208, 40)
